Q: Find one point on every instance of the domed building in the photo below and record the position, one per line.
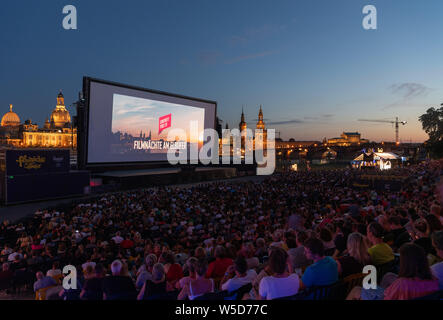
(10, 119)
(56, 133)
(60, 117)
(10, 128)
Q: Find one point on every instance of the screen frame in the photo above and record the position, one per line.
(85, 147)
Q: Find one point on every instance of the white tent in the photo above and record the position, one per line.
(383, 160)
(387, 156)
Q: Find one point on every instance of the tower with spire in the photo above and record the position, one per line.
(261, 126)
(60, 117)
(242, 125)
(260, 123)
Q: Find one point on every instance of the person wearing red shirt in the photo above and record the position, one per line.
(127, 243)
(174, 271)
(218, 267)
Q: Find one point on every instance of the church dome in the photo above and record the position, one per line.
(60, 116)
(10, 119)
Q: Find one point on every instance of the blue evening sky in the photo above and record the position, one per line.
(309, 63)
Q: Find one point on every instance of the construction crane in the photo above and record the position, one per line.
(396, 123)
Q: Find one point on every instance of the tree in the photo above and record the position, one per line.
(432, 123)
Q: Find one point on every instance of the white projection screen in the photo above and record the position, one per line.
(127, 124)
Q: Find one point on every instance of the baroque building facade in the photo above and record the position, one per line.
(58, 132)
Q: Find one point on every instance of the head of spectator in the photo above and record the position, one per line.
(191, 266)
(291, 242)
(5, 267)
(301, 238)
(314, 249)
(375, 233)
(241, 266)
(167, 258)
(200, 253)
(150, 260)
(260, 242)
(358, 249)
(278, 261)
(421, 228)
(220, 252)
(89, 271)
(414, 263)
(394, 222)
(277, 236)
(99, 271)
(158, 273)
(325, 235)
(39, 275)
(116, 267)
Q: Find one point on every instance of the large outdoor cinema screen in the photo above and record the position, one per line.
(128, 124)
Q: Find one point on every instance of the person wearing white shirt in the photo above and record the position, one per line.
(281, 283)
(117, 239)
(12, 256)
(238, 275)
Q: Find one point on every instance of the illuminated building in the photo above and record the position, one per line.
(10, 128)
(261, 133)
(347, 139)
(242, 126)
(56, 133)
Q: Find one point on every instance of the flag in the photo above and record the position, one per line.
(164, 123)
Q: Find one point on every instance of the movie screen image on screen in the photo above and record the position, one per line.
(127, 124)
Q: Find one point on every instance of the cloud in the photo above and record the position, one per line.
(237, 40)
(320, 117)
(249, 57)
(209, 57)
(293, 121)
(409, 90)
(256, 33)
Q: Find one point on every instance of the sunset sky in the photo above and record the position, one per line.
(310, 63)
(134, 115)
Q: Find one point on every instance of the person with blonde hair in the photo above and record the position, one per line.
(157, 286)
(191, 267)
(356, 258)
(200, 286)
(145, 271)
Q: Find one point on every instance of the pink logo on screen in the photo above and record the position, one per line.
(164, 123)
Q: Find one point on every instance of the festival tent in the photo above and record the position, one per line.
(382, 160)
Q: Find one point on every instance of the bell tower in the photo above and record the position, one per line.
(242, 124)
(260, 123)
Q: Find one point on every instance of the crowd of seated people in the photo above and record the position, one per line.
(281, 238)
